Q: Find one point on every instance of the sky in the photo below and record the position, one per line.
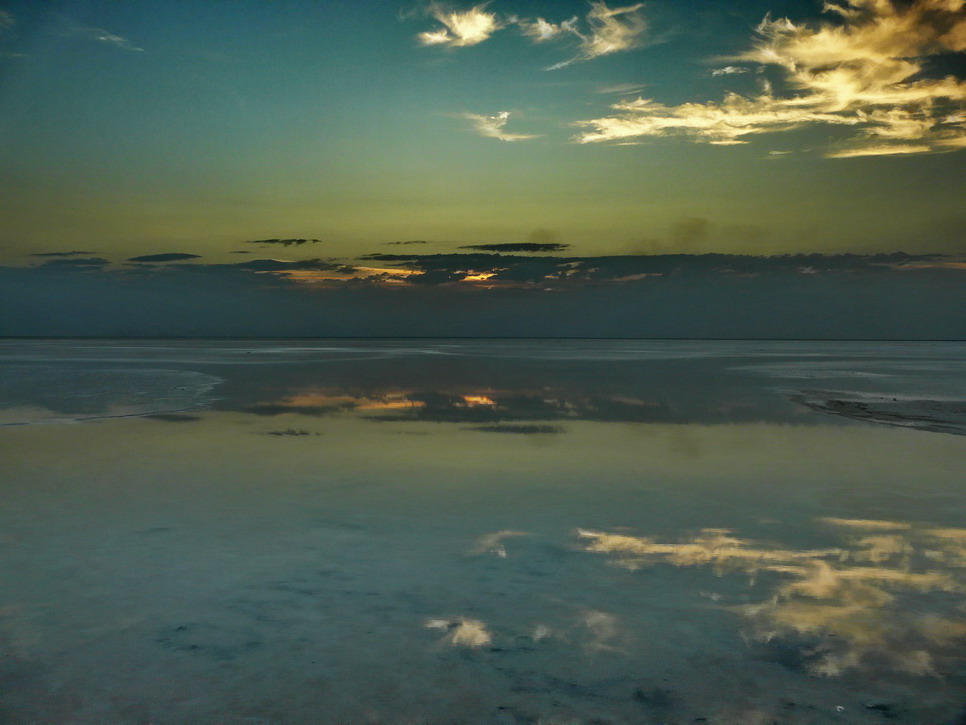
(405, 144)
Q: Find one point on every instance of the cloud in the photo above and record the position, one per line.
(518, 247)
(728, 70)
(460, 28)
(6, 19)
(675, 295)
(604, 30)
(413, 241)
(281, 265)
(60, 254)
(622, 89)
(75, 263)
(559, 272)
(724, 123)
(540, 30)
(882, 150)
(165, 257)
(867, 72)
(492, 126)
(286, 242)
(612, 30)
(104, 36)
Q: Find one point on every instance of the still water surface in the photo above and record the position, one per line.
(482, 532)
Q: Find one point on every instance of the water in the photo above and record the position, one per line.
(482, 532)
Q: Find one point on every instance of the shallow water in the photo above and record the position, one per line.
(481, 532)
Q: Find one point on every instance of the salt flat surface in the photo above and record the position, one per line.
(480, 532)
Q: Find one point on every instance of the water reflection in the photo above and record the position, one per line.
(462, 632)
(493, 382)
(493, 543)
(490, 406)
(880, 600)
(332, 526)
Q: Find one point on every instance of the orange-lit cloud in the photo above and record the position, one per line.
(478, 277)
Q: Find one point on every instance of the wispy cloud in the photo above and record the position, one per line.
(541, 30)
(622, 89)
(603, 31)
(6, 19)
(104, 36)
(611, 30)
(883, 150)
(492, 126)
(718, 123)
(460, 28)
(865, 71)
(729, 70)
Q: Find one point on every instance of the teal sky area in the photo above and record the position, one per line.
(134, 128)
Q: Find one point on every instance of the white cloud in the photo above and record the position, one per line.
(722, 123)
(611, 30)
(622, 89)
(103, 36)
(604, 30)
(865, 72)
(728, 70)
(6, 19)
(881, 150)
(461, 28)
(492, 126)
(540, 30)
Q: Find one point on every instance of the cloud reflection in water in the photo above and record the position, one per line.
(493, 543)
(468, 407)
(462, 632)
(883, 600)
